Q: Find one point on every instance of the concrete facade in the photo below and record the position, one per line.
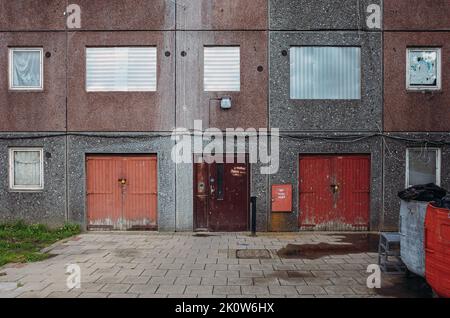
(69, 122)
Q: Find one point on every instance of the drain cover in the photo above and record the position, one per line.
(252, 254)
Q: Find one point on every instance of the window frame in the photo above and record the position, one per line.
(438, 164)
(238, 46)
(11, 66)
(438, 86)
(360, 61)
(90, 90)
(19, 188)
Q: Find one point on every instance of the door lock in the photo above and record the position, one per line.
(123, 181)
(334, 188)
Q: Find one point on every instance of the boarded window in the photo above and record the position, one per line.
(325, 72)
(121, 69)
(423, 166)
(25, 69)
(222, 69)
(26, 169)
(423, 69)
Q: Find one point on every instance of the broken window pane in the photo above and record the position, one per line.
(423, 166)
(423, 68)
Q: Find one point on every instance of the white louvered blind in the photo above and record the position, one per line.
(325, 72)
(121, 69)
(222, 69)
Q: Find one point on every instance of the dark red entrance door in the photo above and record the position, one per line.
(334, 193)
(221, 193)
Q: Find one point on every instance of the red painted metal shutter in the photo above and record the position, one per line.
(334, 192)
(112, 204)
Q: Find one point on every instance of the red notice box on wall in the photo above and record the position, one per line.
(282, 198)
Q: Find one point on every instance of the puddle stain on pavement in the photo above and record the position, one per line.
(346, 244)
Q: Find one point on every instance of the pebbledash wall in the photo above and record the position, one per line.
(70, 123)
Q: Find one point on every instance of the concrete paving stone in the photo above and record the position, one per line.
(240, 267)
(30, 295)
(266, 281)
(116, 288)
(343, 281)
(93, 295)
(239, 281)
(324, 274)
(277, 274)
(249, 261)
(71, 294)
(143, 289)
(184, 280)
(199, 290)
(250, 273)
(227, 273)
(136, 280)
(363, 290)
(255, 290)
(110, 279)
(339, 290)
(353, 266)
(122, 295)
(227, 290)
(202, 273)
(211, 281)
(348, 273)
(206, 261)
(91, 287)
(170, 266)
(171, 289)
(162, 280)
(152, 296)
(216, 267)
(292, 281)
(284, 267)
(317, 281)
(241, 296)
(178, 273)
(193, 266)
(155, 272)
(261, 267)
(282, 290)
(310, 290)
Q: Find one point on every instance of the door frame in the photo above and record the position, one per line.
(194, 205)
(333, 154)
(118, 154)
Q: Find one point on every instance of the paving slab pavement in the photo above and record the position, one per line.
(180, 265)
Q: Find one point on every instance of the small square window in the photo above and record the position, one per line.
(325, 72)
(121, 69)
(222, 69)
(26, 169)
(26, 69)
(423, 166)
(423, 70)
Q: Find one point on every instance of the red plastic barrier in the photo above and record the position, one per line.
(437, 250)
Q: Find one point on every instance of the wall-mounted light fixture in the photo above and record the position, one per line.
(225, 102)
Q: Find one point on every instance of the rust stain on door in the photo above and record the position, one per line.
(121, 192)
(334, 193)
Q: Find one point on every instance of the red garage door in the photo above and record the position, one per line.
(122, 192)
(334, 193)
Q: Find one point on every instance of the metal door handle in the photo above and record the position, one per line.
(123, 181)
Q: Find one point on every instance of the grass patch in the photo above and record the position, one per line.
(21, 242)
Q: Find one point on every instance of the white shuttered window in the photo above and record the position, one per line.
(121, 69)
(325, 72)
(222, 69)
(26, 168)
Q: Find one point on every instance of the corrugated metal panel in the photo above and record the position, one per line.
(325, 72)
(122, 206)
(222, 69)
(121, 69)
(334, 193)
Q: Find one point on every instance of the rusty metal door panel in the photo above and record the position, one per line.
(316, 202)
(334, 192)
(121, 192)
(104, 195)
(140, 193)
(225, 197)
